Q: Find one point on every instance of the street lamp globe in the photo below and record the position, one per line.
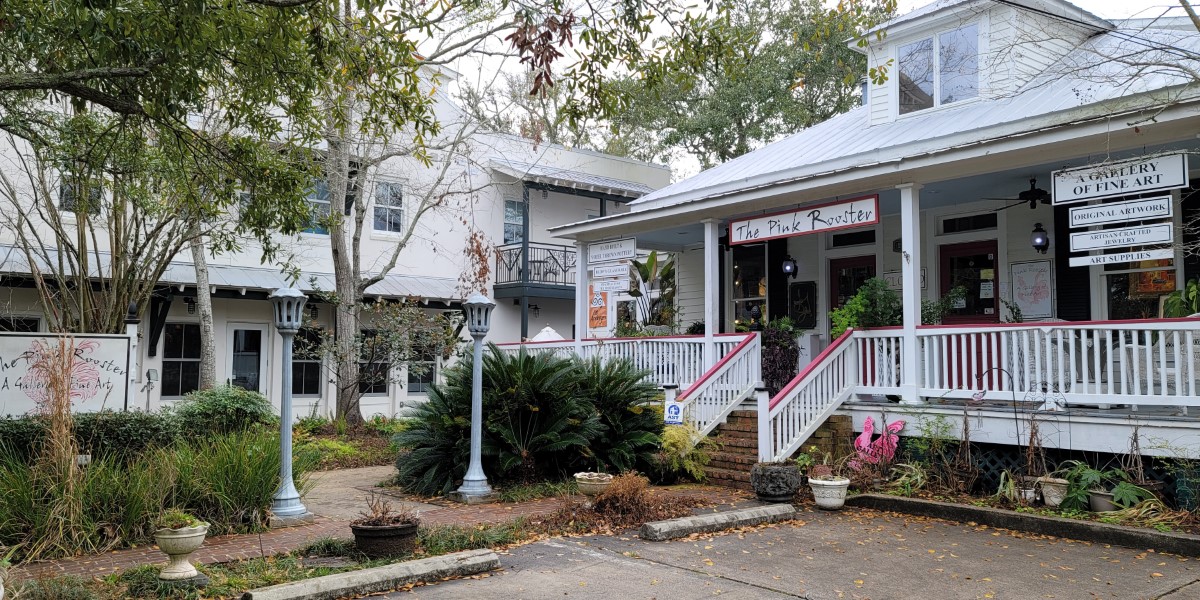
(288, 304)
(478, 311)
(286, 506)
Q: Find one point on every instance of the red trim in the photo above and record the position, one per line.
(619, 339)
(709, 374)
(729, 228)
(1060, 323)
(812, 366)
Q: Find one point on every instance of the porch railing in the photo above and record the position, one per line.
(549, 264)
(669, 359)
(722, 388)
(788, 419)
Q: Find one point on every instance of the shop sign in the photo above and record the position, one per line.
(1162, 233)
(1110, 180)
(612, 250)
(844, 214)
(597, 309)
(1108, 259)
(1119, 212)
(99, 371)
(611, 271)
(611, 285)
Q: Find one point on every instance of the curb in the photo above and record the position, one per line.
(380, 579)
(1088, 531)
(659, 531)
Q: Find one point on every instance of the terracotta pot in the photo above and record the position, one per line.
(1054, 490)
(830, 494)
(775, 482)
(382, 541)
(178, 545)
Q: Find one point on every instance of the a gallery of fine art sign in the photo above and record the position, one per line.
(99, 371)
(843, 214)
(1122, 178)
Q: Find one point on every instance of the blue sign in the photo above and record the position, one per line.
(673, 413)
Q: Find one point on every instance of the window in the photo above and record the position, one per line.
(389, 207)
(20, 324)
(969, 223)
(422, 373)
(318, 208)
(71, 191)
(1137, 290)
(373, 366)
(306, 363)
(181, 359)
(514, 221)
(951, 74)
(749, 283)
(856, 238)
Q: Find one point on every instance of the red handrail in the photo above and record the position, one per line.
(712, 372)
(811, 367)
(624, 339)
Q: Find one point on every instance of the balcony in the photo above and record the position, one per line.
(550, 273)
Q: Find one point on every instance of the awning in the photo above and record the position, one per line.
(575, 180)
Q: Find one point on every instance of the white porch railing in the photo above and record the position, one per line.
(669, 359)
(714, 395)
(788, 419)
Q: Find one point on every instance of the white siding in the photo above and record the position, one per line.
(689, 286)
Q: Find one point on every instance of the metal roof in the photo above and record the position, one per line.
(572, 179)
(1057, 7)
(1075, 90)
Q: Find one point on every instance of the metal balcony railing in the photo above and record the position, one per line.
(549, 264)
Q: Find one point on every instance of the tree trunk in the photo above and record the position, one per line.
(346, 282)
(208, 350)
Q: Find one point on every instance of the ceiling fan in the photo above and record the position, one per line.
(1031, 196)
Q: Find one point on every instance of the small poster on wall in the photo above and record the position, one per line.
(1033, 288)
(597, 309)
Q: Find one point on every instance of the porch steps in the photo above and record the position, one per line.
(738, 441)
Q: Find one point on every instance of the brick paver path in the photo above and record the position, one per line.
(230, 548)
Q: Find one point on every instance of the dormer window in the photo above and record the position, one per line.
(929, 79)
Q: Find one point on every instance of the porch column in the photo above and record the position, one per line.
(581, 295)
(910, 239)
(711, 291)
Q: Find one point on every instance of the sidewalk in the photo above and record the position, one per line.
(336, 498)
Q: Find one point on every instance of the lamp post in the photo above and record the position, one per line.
(478, 311)
(286, 507)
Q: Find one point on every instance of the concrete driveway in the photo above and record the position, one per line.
(850, 554)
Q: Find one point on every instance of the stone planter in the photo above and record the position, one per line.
(775, 482)
(592, 484)
(830, 494)
(179, 544)
(383, 541)
(1054, 490)
(1101, 501)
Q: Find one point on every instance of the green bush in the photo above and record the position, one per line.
(19, 436)
(620, 395)
(106, 434)
(684, 452)
(224, 409)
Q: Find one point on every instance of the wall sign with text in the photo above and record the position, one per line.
(1119, 212)
(843, 214)
(613, 250)
(1108, 259)
(1160, 233)
(1109, 180)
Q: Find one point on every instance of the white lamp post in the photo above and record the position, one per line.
(286, 507)
(478, 310)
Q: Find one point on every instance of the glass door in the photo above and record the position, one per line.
(974, 267)
(846, 275)
(247, 357)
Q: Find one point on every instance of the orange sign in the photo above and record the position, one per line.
(597, 309)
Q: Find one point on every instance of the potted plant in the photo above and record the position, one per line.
(775, 481)
(382, 531)
(592, 483)
(1104, 490)
(179, 534)
(828, 485)
(1054, 487)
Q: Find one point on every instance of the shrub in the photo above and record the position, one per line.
(19, 436)
(621, 395)
(224, 409)
(124, 434)
(312, 424)
(683, 452)
(780, 354)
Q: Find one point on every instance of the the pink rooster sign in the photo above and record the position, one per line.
(99, 368)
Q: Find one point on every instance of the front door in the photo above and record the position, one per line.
(248, 356)
(974, 267)
(846, 275)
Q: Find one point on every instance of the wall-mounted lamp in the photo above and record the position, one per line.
(789, 267)
(191, 304)
(536, 310)
(312, 312)
(1039, 239)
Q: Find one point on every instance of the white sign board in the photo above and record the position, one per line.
(1119, 212)
(1107, 259)
(99, 371)
(611, 285)
(611, 271)
(1108, 180)
(1161, 233)
(672, 413)
(614, 250)
(843, 214)
(1032, 287)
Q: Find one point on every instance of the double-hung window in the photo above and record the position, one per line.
(422, 373)
(318, 208)
(181, 359)
(514, 221)
(389, 206)
(306, 363)
(76, 195)
(939, 70)
(374, 365)
(20, 324)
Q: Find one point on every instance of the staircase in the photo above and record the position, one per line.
(738, 441)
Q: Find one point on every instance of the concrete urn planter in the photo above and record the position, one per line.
(775, 482)
(590, 484)
(830, 494)
(1054, 490)
(179, 544)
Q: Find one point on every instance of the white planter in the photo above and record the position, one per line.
(1054, 490)
(830, 494)
(179, 544)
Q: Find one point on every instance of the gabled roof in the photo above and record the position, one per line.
(933, 10)
(1076, 90)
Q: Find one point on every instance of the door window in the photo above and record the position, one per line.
(973, 267)
(846, 275)
(247, 359)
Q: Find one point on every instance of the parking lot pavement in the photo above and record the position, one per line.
(853, 554)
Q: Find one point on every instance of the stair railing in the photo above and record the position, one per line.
(722, 388)
(786, 421)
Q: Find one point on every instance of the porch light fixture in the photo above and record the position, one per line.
(312, 312)
(191, 304)
(1039, 239)
(789, 266)
(536, 310)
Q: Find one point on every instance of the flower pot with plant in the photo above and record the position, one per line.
(382, 531)
(179, 534)
(828, 484)
(775, 481)
(1102, 491)
(1054, 488)
(592, 484)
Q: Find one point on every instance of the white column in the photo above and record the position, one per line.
(910, 236)
(712, 293)
(581, 295)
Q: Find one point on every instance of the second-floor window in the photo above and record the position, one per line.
(939, 70)
(389, 206)
(318, 208)
(514, 221)
(75, 197)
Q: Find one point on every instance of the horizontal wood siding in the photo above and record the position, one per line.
(689, 286)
